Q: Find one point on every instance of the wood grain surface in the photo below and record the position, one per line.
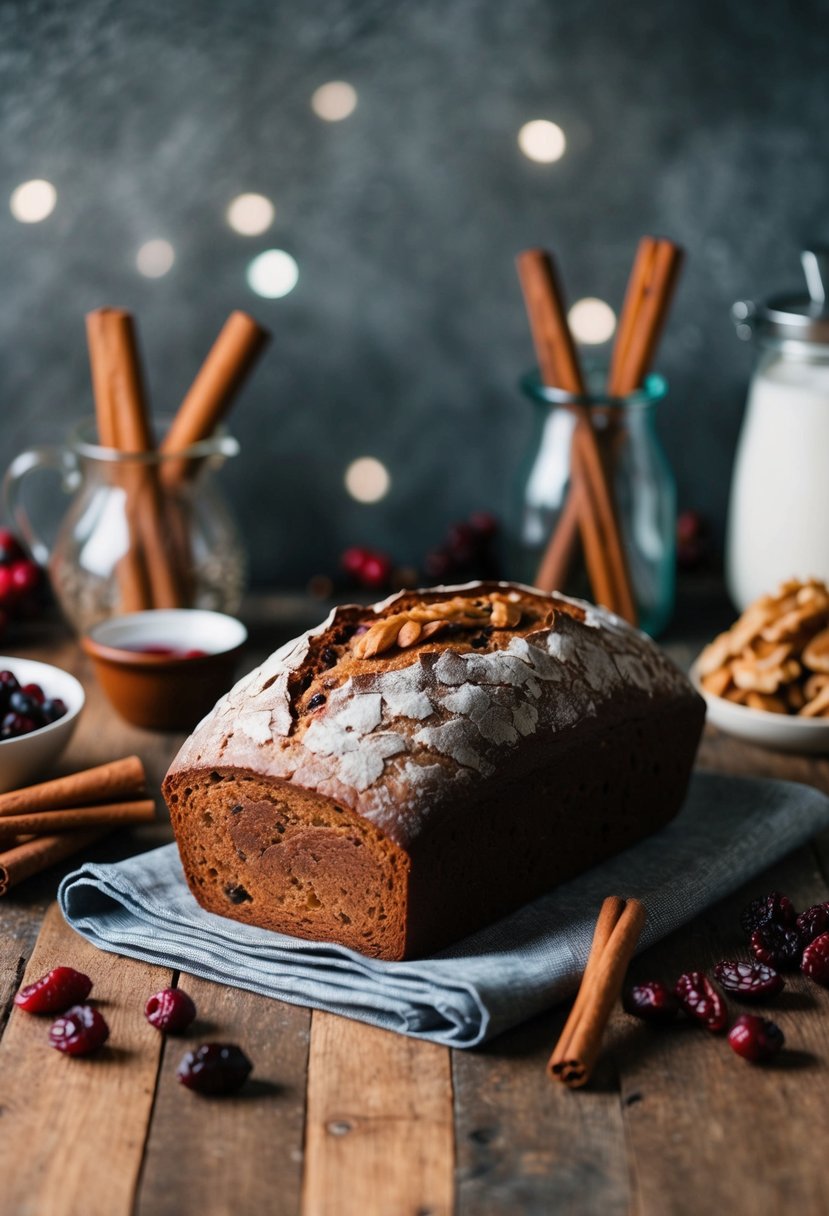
(342, 1118)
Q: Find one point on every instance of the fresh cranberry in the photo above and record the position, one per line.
(754, 1038)
(701, 1001)
(438, 565)
(214, 1068)
(773, 907)
(484, 523)
(813, 922)
(53, 709)
(816, 960)
(777, 947)
(10, 548)
(195, 653)
(376, 570)
(353, 560)
(7, 590)
(25, 577)
(25, 705)
(34, 692)
(8, 682)
(80, 1031)
(461, 542)
(14, 725)
(55, 991)
(170, 1010)
(653, 1002)
(750, 981)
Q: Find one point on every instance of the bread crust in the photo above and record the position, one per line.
(400, 749)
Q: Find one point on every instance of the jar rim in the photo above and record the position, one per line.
(82, 439)
(652, 390)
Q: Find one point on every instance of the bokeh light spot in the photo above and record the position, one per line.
(542, 141)
(591, 320)
(367, 479)
(250, 214)
(273, 274)
(334, 101)
(33, 201)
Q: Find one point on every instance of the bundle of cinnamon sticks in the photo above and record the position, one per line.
(590, 509)
(41, 825)
(155, 571)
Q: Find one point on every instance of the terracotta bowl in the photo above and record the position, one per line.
(165, 691)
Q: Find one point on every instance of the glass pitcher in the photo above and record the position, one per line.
(642, 482)
(144, 530)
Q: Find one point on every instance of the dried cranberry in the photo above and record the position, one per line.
(754, 1038)
(777, 947)
(653, 1002)
(214, 1068)
(53, 709)
(773, 907)
(750, 981)
(317, 700)
(170, 1010)
(328, 656)
(35, 692)
(700, 1000)
(80, 1031)
(55, 991)
(816, 960)
(813, 922)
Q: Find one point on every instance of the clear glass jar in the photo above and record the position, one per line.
(779, 503)
(642, 482)
(135, 523)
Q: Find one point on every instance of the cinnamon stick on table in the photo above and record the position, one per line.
(105, 815)
(116, 781)
(30, 858)
(617, 932)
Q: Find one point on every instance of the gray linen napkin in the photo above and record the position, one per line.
(728, 830)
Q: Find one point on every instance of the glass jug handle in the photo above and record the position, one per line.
(56, 459)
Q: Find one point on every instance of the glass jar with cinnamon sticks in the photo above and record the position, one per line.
(147, 527)
(641, 480)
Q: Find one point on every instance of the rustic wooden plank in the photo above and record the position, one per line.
(379, 1123)
(236, 1154)
(73, 1130)
(702, 1125)
(526, 1145)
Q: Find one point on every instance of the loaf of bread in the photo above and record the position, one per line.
(406, 773)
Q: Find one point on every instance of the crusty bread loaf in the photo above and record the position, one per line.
(406, 773)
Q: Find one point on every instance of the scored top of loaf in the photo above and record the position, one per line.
(391, 721)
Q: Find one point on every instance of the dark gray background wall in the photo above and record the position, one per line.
(705, 120)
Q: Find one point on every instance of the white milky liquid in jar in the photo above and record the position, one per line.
(778, 525)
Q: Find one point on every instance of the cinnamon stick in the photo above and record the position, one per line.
(228, 364)
(30, 858)
(630, 316)
(105, 815)
(559, 366)
(117, 781)
(133, 580)
(127, 423)
(658, 277)
(614, 943)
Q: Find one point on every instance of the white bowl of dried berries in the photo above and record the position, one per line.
(39, 709)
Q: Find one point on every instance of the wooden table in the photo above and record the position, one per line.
(344, 1119)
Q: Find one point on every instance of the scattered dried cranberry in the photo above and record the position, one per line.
(816, 960)
(750, 981)
(754, 1038)
(214, 1068)
(813, 922)
(170, 1010)
(55, 991)
(777, 947)
(80, 1031)
(317, 700)
(653, 1002)
(700, 1000)
(773, 907)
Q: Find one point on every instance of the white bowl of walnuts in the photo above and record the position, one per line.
(766, 679)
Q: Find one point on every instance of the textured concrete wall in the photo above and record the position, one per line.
(405, 334)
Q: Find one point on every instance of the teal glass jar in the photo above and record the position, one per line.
(642, 481)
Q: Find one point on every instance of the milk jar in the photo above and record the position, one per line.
(778, 521)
